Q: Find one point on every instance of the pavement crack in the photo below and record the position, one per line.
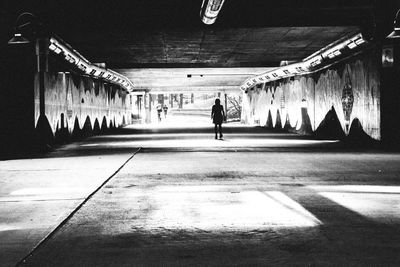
(59, 226)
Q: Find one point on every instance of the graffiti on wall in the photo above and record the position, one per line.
(347, 100)
(350, 90)
(76, 101)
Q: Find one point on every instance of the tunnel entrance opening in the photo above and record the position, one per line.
(191, 109)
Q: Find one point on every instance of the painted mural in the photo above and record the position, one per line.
(73, 101)
(348, 92)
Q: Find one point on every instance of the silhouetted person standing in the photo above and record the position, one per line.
(217, 115)
(165, 108)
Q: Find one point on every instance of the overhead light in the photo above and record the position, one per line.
(360, 41)
(337, 53)
(23, 20)
(352, 45)
(57, 50)
(18, 39)
(52, 47)
(396, 27)
(209, 10)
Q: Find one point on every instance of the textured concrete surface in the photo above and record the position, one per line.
(36, 195)
(224, 205)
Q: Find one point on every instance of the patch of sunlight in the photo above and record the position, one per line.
(213, 210)
(379, 203)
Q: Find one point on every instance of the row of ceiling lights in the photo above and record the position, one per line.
(310, 64)
(73, 57)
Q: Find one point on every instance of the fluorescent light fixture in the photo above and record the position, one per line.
(209, 10)
(84, 65)
(352, 45)
(337, 53)
(57, 50)
(331, 55)
(360, 41)
(52, 47)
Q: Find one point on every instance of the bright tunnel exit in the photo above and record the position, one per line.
(185, 109)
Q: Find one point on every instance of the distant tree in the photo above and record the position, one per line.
(234, 106)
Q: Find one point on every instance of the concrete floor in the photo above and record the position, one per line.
(254, 198)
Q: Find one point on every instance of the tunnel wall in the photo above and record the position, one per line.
(345, 96)
(75, 102)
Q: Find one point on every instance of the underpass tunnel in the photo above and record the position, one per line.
(111, 153)
(328, 78)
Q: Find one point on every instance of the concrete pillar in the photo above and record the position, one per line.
(42, 53)
(180, 100)
(139, 105)
(390, 96)
(226, 105)
(147, 106)
(17, 114)
(44, 134)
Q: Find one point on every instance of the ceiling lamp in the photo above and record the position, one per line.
(18, 39)
(25, 19)
(209, 10)
(396, 28)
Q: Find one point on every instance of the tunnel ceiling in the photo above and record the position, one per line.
(169, 33)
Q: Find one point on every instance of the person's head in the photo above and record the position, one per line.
(217, 102)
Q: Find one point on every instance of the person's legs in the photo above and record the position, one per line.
(215, 130)
(220, 131)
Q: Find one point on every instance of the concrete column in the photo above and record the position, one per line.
(17, 127)
(390, 97)
(42, 53)
(180, 100)
(44, 134)
(147, 106)
(226, 105)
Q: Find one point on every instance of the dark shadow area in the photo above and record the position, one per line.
(87, 128)
(104, 126)
(330, 127)
(17, 125)
(269, 124)
(76, 131)
(43, 135)
(278, 123)
(287, 127)
(96, 127)
(357, 136)
(62, 135)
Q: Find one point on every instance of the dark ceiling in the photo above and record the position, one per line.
(169, 33)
